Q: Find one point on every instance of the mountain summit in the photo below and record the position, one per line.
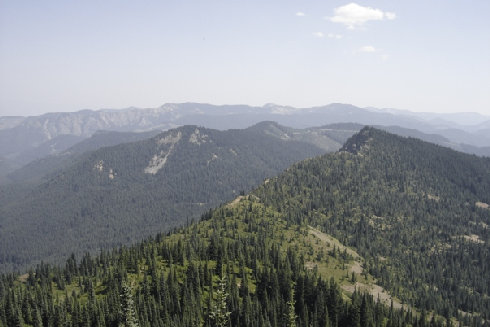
(416, 212)
(121, 194)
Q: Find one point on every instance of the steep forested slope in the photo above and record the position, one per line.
(117, 195)
(418, 213)
(36, 170)
(244, 265)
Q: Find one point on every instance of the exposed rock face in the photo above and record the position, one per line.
(159, 160)
(198, 138)
(170, 139)
(10, 121)
(99, 165)
(21, 134)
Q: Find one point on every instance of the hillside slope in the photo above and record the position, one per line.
(118, 195)
(35, 170)
(418, 213)
(244, 265)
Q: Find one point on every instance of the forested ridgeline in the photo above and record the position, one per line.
(242, 266)
(415, 211)
(122, 194)
(34, 171)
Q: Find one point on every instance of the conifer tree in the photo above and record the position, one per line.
(127, 307)
(219, 312)
(291, 317)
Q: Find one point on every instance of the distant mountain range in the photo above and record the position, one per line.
(23, 139)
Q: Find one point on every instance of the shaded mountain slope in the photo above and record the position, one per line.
(34, 171)
(117, 195)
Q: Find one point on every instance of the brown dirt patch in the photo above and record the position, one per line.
(473, 238)
(310, 265)
(482, 205)
(433, 197)
(332, 241)
(376, 291)
(23, 278)
(235, 202)
(356, 268)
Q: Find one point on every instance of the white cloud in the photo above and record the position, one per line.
(318, 34)
(300, 14)
(367, 48)
(390, 15)
(335, 36)
(353, 15)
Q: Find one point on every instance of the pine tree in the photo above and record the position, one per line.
(219, 312)
(127, 307)
(291, 317)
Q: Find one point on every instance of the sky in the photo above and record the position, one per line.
(416, 55)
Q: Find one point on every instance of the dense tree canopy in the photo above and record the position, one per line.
(229, 270)
(109, 197)
(415, 212)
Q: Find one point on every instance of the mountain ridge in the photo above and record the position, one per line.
(20, 136)
(406, 215)
(120, 194)
(416, 205)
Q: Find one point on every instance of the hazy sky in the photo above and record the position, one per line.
(411, 54)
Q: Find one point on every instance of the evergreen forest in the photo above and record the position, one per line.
(388, 231)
